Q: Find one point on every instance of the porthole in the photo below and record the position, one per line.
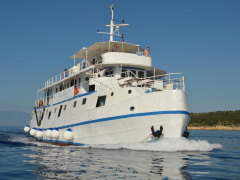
(132, 108)
(112, 93)
(129, 91)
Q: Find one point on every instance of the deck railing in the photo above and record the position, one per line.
(82, 65)
(129, 79)
(49, 100)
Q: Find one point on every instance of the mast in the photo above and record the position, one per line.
(111, 24)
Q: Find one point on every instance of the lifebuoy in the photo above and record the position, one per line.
(41, 102)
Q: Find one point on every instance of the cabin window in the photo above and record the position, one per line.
(79, 80)
(74, 104)
(65, 106)
(49, 115)
(75, 81)
(67, 85)
(108, 72)
(140, 74)
(72, 83)
(92, 88)
(124, 73)
(101, 101)
(56, 90)
(60, 110)
(84, 101)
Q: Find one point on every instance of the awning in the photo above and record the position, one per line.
(98, 48)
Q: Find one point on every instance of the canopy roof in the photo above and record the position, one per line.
(98, 48)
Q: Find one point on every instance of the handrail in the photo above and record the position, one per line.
(166, 78)
(178, 83)
(49, 100)
(82, 65)
(130, 79)
(102, 83)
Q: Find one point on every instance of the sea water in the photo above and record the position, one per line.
(205, 155)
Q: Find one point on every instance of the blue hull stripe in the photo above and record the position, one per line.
(81, 95)
(122, 117)
(75, 97)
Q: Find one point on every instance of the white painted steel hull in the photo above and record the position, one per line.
(115, 122)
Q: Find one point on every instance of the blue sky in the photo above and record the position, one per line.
(200, 38)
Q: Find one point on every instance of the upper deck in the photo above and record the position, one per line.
(130, 55)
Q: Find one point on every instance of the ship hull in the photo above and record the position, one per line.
(120, 121)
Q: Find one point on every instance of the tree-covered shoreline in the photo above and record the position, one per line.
(218, 118)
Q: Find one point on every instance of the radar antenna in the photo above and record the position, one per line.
(112, 25)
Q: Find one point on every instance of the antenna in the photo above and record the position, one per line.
(112, 25)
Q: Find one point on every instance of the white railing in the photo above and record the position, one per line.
(174, 81)
(49, 100)
(128, 79)
(82, 65)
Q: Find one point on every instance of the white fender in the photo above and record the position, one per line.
(33, 131)
(49, 133)
(39, 133)
(68, 135)
(27, 128)
(55, 133)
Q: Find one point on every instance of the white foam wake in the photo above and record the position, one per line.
(165, 145)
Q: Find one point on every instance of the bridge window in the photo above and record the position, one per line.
(140, 74)
(132, 73)
(124, 73)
